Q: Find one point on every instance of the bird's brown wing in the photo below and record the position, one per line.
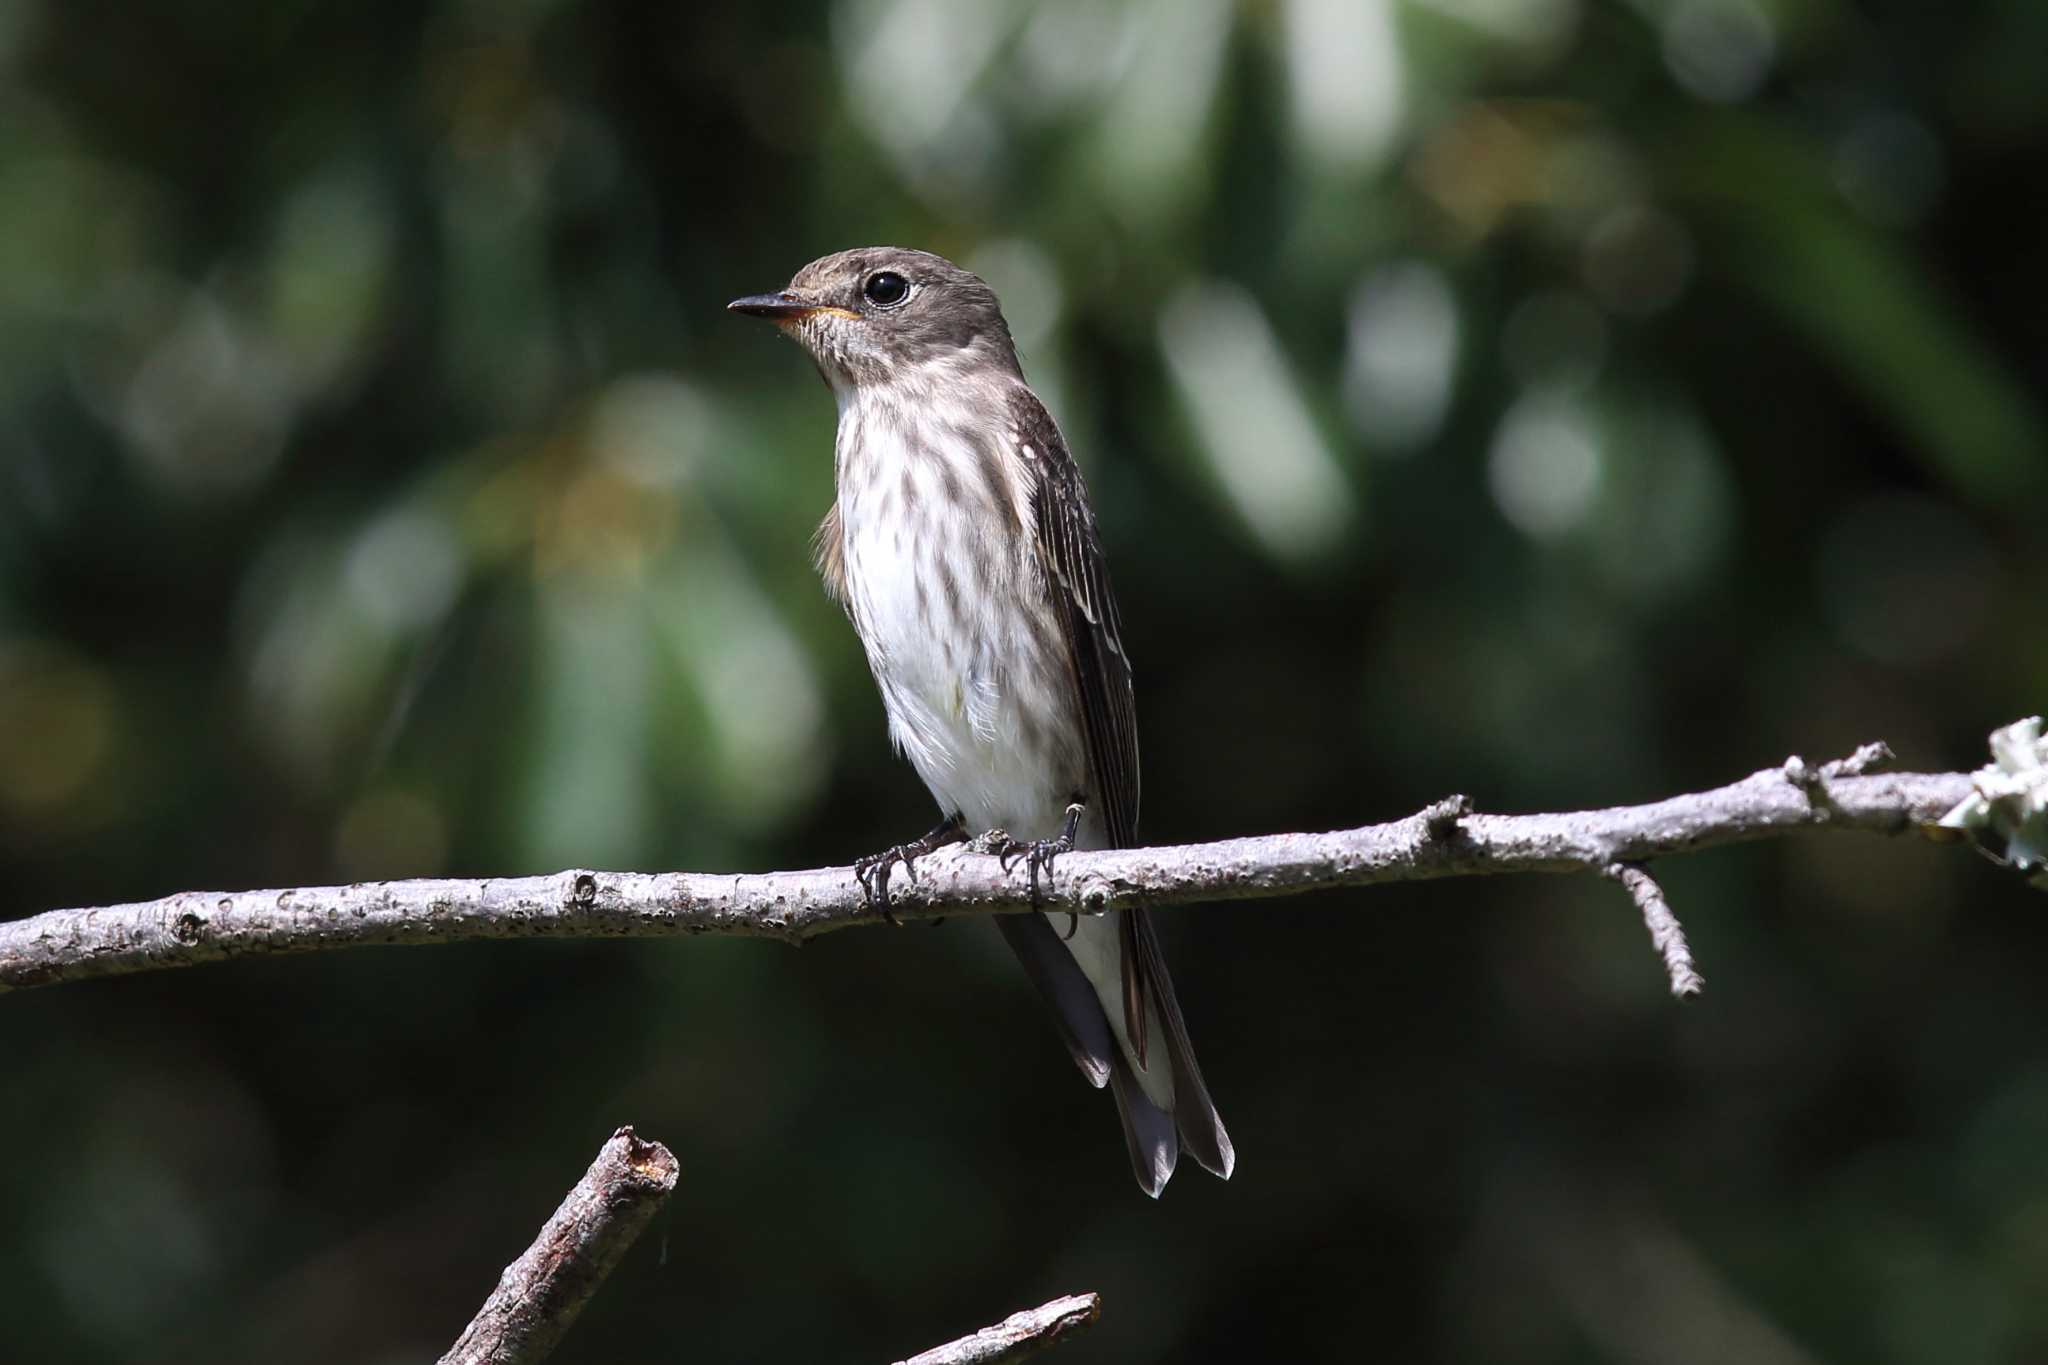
(1078, 580)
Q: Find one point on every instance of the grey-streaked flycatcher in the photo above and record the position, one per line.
(963, 549)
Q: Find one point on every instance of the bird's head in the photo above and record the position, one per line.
(883, 315)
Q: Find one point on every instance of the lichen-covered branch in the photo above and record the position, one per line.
(1445, 840)
(541, 1293)
(1018, 1336)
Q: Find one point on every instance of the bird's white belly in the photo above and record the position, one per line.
(946, 627)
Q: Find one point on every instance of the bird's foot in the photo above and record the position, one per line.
(872, 872)
(1038, 854)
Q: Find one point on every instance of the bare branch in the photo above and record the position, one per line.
(1815, 779)
(1667, 936)
(541, 1293)
(1445, 840)
(1017, 1336)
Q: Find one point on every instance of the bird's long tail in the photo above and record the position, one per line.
(1115, 1008)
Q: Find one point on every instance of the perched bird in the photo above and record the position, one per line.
(963, 549)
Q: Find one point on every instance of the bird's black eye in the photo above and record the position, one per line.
(885, 289)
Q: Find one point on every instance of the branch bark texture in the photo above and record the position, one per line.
(1446, 840)
(1666, 935)
(1018, 1336)
(541, 1293)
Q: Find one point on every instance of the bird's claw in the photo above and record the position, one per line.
(1038, 855)
(872, 871)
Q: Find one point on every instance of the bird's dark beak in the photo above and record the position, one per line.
(784, 307)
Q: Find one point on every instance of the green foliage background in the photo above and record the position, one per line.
(1560, 401)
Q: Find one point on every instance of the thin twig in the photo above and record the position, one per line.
(541, 1293)
(1817, 780)
(1443, 841)
(1017, 1336)
(1667, 936)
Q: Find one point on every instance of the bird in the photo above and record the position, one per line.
(961, 544)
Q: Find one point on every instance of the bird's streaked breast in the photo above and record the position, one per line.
(941, 580)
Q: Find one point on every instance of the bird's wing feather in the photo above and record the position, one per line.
(1078, 580)
(828, 551)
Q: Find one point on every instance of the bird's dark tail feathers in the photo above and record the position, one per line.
(1154, 1136)
(1201, 1127)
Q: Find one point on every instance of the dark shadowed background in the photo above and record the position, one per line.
(1563, 402)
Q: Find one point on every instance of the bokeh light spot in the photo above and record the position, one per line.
(1719, 50)
(1544, 467)
(1251, 422)
(1402, 354)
